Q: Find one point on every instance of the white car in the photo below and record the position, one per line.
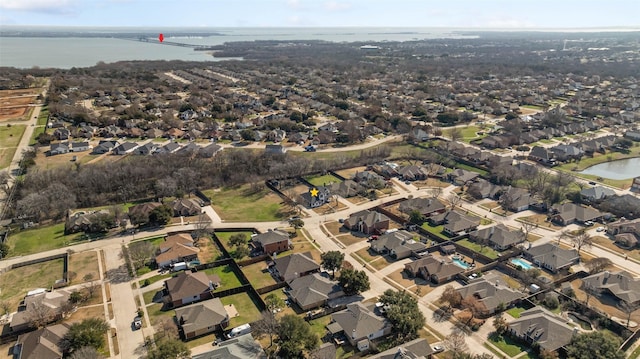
(600, 229)
(438, 348)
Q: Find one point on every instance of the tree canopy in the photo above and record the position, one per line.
(332, 260)
(169, 348)
(594, 345)
(89, 332)
(295, 337)
(403, 313)
(353, 281)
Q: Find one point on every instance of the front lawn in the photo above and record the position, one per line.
(247, 205)
(40, 239)
(487, 251)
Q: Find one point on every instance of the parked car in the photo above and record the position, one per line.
(438, 348)
(600, 229)
(137, 323)
(588, 223)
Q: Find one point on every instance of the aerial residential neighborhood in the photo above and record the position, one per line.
(441, 199)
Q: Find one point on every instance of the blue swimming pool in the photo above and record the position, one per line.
(460, 263)
(526, 265)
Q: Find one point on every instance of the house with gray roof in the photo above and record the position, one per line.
(359, 324)
(240, 347)
(347, 188)
(516, 199)
(461, 177)
(58, 148)
(541, 154)
(597, 193)
(52, 302)
(567, 213)
(125, 148)
(620, 285)
(412, 173)
(492, 294)
(415, 349)
(552, 257)
(484, 189)
(435, 269)
(399, 244)
(44, 343)
(539, 326)
(271, 242)
(455, 223)
(368, 222)
(314, 290)
(499, 236)
(294, 266)
(185, 207)
(426, 206)
(201, 318)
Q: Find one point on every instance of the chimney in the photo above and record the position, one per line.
(353, 334)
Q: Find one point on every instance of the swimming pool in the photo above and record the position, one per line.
(460, 263)
(526, 265)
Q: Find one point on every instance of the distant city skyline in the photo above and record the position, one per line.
(493, 14)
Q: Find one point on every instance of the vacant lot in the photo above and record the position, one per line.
(83, 265)
(243, 204)
(40, 239)
(350, 172)
(64, 160)
(10, 135)
(17, 282)
(247, 310)
(324, 180)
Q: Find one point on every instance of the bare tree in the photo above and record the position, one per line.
(87, 352)
(167, 328)
(526, 228)
(628, 308)
(454, 200)
(455, 134)
(40, 315)
(451, 297)
(582, 239)
(456, 342)
(141, 252)
(474, 306)
(597, 265)
(268, 325)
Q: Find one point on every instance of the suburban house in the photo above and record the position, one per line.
(455, 223)
(176, 248)
(58, 148)
(366, 178)
(312, 291)
(461, 177)
(185, 207)
(170, 147)
(499, 237)
(347, 188)
(620, 285)
(415, 349)
(435, 269)
(271, 242)
(201, 318)
(539, 326)
(275, 149)
(541, 154)
(315, 197)
(398, 244)
(125, 148)
(516, 199)
(484, 189)
(359, 325)
(38, 300)
(597, 193)
(146, 149)
(105, 146)
(80, 146)
(426, 206)
(294, 266)
(142, 210)
(82, 221)
(552, 257)
(412, 173)
(188, 287)
(240, 347)
(624, 226)
(567, 213)
(210, 150)
(368, 222)
(43, 343)
(491, 293)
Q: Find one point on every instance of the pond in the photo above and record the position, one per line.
(616, 170)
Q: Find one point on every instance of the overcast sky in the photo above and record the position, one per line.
(321, 13)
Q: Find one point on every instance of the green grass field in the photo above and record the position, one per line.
(10, 135)
(323, 180)
(247, 310)
(437, 230)
(224, 238)
(487, 251)
(40, 239)
(515, 311)
(507, 345)
(228, 278)
(242, 204)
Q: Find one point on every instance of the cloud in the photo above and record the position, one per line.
(294, 4)
(57, 6)
(336, 6)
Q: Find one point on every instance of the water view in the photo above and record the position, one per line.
(617, 170)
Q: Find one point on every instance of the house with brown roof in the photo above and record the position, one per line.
(271, 242)
(240, 347)
(314, 290)
(188, 287)
(176, 248)
(455, 223)
(398, 244)
(185, 207)
(620, 285)
(435, 269)
(294, 266)
(368, 222)
(359, 325)
(201, 318)
(140, 212)
(44, 343)
(50, 303)
(499, 237)
(539, 326)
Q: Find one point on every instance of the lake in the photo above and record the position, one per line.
(617, 170)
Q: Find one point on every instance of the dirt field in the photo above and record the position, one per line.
(14, 103)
